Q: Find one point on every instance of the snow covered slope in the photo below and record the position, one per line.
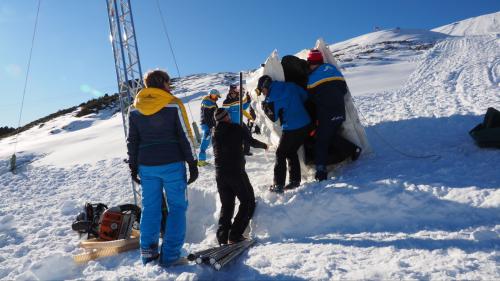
(482, 25)
(426, 205)
(383, 60)
(390, 35)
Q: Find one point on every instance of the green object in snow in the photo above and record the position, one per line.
(13, 163)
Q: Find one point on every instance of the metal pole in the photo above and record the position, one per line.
(241, 98)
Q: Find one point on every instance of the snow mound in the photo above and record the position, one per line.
(482, 25)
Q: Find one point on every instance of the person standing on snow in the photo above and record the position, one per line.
(232, 105)
(285, 102)
(159, 143)
(208, 107)
(231, 177)
(327, 88)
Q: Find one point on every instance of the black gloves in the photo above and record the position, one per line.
(193, 171)
(133, 173)
(257, 130)
(268, 110)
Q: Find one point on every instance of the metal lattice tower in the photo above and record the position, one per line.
(126, 55)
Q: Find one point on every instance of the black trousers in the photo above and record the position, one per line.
(233, 185)
(290, 142)
(246, 144)
(328, 138)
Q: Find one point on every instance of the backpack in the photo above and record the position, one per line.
(296, 70)
(99, 221)
(487, 133)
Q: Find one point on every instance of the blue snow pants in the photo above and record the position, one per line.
(154, 179)
(205, 142)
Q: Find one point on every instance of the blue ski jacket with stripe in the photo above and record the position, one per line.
(232, 105)
(327, 88)
(208, 107)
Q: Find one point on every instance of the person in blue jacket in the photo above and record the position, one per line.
(208, 107)
(159, 144)
(327, 88)
(232, 105)
(285, 102)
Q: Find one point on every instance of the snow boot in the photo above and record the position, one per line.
(276, 188)
(292, 185)
(237, 239)
(222, 236)
(149, 254)
(202, 163)
(321, 175)
(357, 152)
(177, 262)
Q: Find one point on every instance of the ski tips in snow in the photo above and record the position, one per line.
(220, 256)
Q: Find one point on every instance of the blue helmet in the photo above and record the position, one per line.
(214, 92)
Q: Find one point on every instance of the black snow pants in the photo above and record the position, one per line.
(230, 186)
(290, 142)
(328, 135)
(246, 144)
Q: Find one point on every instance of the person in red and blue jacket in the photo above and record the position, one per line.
(232, 105)
(285, 102)
(327, 88)
(208, 107)
(159, 143)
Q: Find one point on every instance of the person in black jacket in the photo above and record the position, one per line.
(159, 144)
(231, 177)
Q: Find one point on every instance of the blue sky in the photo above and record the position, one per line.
(73, 62)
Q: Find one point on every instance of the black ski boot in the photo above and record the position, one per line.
(356, 153)
(236, 239)
(276, 188)
(292, 185)
(222, 236)
(321, 175)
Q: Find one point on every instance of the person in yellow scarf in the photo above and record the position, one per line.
(159, 143)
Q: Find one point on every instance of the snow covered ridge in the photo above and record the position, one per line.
(481, 25)
(390, 35)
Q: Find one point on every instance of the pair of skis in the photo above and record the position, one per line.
(218, 257)
(96, 248)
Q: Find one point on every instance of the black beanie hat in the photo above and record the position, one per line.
(264, 82)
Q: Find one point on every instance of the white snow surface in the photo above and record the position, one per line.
(481, 25)
(425, 205)
(383, 60)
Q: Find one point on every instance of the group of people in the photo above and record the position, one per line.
(317, 110)
(160, 142)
